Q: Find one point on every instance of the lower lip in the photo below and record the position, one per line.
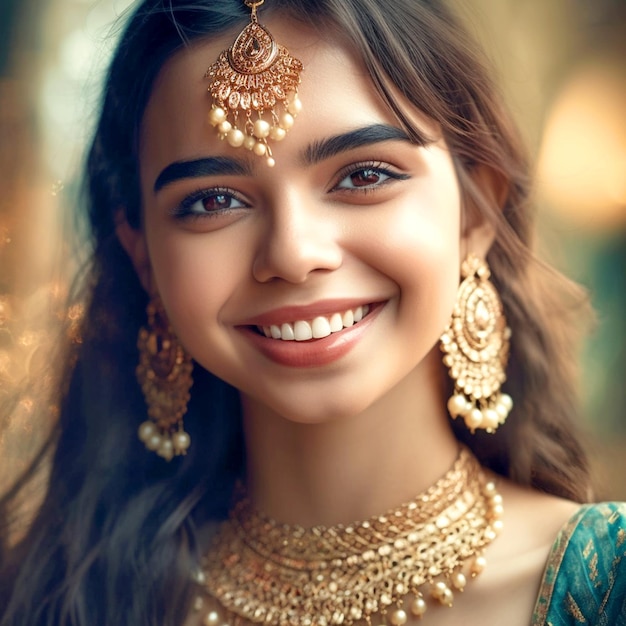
(315, 352)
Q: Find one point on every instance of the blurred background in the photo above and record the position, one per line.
(562, 64)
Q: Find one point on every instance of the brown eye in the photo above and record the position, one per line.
(217, 202)
(210, 202)
(365, 178)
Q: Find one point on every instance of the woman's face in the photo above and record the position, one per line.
(352, 218)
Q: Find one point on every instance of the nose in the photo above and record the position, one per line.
(298, 239)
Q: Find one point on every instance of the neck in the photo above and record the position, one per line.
(350, 468)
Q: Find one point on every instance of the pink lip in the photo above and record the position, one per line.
(287, 314)
(315, 352)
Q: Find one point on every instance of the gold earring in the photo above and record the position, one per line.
(254, 86)
(476, 347)
(164, 373)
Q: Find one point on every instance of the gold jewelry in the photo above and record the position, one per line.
(476, 346)
(255, 75)
(264, 572)
(164, 373)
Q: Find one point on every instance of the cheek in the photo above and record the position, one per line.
(418, 247)
(195, 275)
(428, 279)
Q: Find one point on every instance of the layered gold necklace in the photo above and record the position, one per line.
(261, 571)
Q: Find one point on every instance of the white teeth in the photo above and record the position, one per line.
(302, 331)
(336, 323)
(286, 331)
(318, 328)
(348, 318)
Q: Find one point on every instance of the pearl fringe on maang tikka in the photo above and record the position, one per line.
(380, 571)
(254, 86)
(476, 347)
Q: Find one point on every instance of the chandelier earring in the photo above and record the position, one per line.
(164, 373)
(254, 89)
(476, 349)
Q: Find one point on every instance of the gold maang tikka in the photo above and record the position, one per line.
(254, 86)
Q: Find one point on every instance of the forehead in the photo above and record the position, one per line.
(336, 92)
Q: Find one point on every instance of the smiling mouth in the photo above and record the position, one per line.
(317, 328)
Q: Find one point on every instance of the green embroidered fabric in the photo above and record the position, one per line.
(585, 577)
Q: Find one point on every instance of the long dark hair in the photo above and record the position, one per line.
(116, 536)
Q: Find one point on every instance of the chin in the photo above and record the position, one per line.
(317, 411)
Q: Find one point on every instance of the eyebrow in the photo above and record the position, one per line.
(366, 136)
(316, 152)
(209, 166)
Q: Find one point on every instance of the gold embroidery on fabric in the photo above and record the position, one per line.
(606, 583)
(615, 517)
(593, 569)
(607, 595)
(544, 598)
(574, 610)
(588, 549)
(611, 583)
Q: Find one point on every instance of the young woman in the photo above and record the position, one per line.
(311, 250)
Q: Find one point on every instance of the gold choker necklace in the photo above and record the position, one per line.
(264, 572)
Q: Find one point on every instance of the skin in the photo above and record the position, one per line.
(354, 437)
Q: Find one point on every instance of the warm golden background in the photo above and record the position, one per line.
(563, 68)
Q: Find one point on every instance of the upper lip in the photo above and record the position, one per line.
(293, 313)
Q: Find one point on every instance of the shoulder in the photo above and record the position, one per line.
(585, 576)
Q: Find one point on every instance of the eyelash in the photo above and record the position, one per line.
(183, 210)
(374, 166)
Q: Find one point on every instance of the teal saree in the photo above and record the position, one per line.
(585, 577)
